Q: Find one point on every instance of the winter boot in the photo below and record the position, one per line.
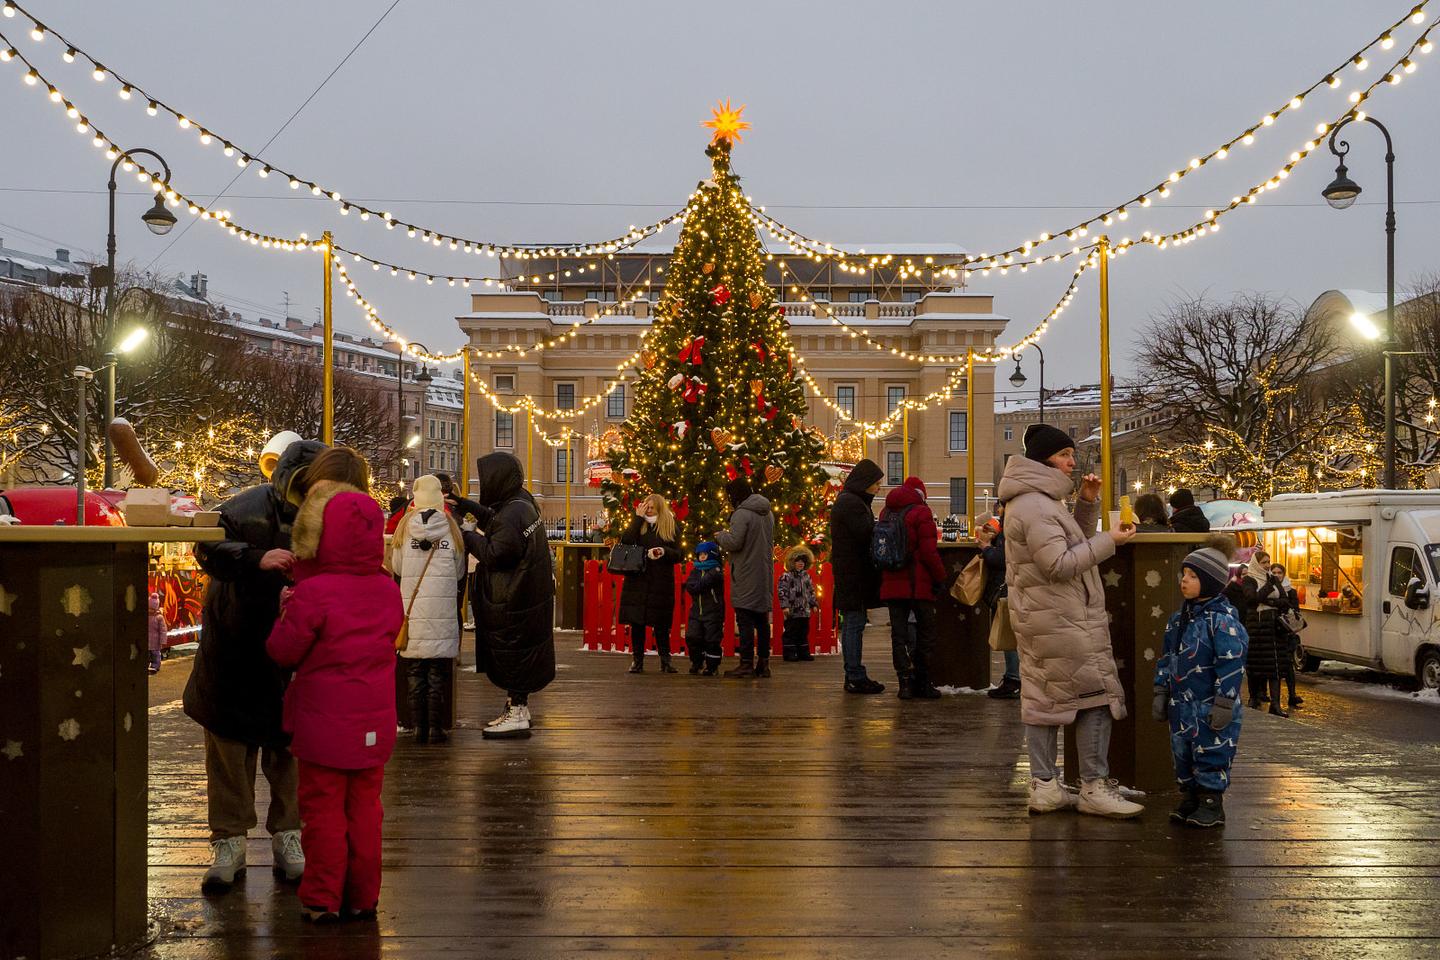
(513, 724)
(1048, 796)
(665, 666)
(227, 866)
(1102, 798)
(924, 690)
(319, 916)
(790, 654)
(743, 671)
(1009, 689)
(803, 654)
(907, 688)
(436, 711)
(711, 668)
(865, 687)
(1188, 802)
(1209, 810)
(762, 668)
(354, 915)
(637, 662)
(696, 666)
(289, 856)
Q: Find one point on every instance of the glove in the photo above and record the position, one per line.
(1221, 713)
(1159, 706)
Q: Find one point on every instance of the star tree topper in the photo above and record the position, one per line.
(725, 121)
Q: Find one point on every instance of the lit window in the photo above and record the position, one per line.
(845, 400)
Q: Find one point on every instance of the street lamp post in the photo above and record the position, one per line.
(1018, 378)
(159, 220)
(131, 340)
(1340, 194)
(424, 379)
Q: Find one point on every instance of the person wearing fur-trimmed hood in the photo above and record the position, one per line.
(798, 601)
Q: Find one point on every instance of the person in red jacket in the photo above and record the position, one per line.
(337, 629)
(912, 589)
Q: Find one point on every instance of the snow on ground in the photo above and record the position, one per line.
(1350, 680)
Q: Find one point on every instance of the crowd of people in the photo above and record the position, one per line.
(308, 612)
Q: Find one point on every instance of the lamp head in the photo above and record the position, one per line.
(1365, 326)
(132, 340)
(413, 441)
(1018, 378)
(158, 218)
(1342, 191)
(424, 375)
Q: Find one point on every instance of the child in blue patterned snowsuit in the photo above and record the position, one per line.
(1197, 684)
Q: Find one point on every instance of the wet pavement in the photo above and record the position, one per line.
(672, 816)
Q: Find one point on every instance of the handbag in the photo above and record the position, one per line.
(402, 639)
(1002, 632)
(969, 587)
(1293, 620)
(626, 558)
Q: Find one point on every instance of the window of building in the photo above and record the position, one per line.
(454, 430)
(430, 430)
(958, 435)
(845, 399)
(561, 458)
(1071, 431)
(504, 429)
(505, 383)
(615, 403)
(552, 295)
(894, 394)
(859, 296)
(565, 396)
(604, 296)
(958, 494)
(910, 296)
(894, 467)
(1009, 433)
(431, 457)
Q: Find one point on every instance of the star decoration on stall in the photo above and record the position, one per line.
(84, 656)
(69, 729)
(12, 750)
(1156, 612)
(7, 601)
(725, 121)
(1112, 579)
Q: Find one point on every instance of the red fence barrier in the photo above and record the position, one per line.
(602, 607)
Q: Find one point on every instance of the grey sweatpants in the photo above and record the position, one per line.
(1092, 742)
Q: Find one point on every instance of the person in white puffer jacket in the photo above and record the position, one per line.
(427, 553)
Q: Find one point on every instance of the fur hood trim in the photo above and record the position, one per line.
(310, 521)
(799, 550)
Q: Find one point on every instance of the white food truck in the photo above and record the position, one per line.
(1365, 564)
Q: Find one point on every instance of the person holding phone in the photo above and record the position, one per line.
(647, 597)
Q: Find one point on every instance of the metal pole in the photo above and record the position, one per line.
(400, 418)
(1391, 343)
(424, 396)
(1041, 354)
(905, 439)
(110, 359)
(569, 470)
(81, 380)
(465, 428)
(327, 420)
(1107, 482)
(530, 444)
(969, 441)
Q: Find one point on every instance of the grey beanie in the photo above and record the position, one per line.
(1211, 564)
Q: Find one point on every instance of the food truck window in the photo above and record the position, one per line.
(1326, 564)
(1404, 567)
(1432, 553)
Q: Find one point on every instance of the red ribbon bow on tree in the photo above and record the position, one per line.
(691, 353)
(721, 293)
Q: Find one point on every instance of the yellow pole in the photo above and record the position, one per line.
(969, 442)
(905, 440)
(327, 419)
(464, 485)
(1107, 480)
(569, 470)
(530, 444)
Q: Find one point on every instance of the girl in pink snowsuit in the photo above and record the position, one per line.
(337, 629)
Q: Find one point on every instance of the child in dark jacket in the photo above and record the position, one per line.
(705, 627)
(158, 629)
(798, 601)
(337, 629)
(1197, 684)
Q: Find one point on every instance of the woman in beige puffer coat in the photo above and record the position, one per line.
(1057, 608)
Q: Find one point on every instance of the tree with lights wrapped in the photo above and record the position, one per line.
(717, 397)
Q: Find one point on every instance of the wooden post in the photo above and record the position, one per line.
(1107, 480)
(905, 439)
(530, 444)
(969, 442)
(327, 419)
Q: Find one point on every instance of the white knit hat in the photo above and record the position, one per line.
(427, 493)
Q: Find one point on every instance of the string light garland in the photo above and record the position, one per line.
(128, 90)
(415, 273)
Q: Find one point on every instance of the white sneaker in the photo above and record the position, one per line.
(1048, 796)
(289, 856)
(227, 866)
(513, 723)
(1102, 798)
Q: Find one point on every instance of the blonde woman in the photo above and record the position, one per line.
(647, 598)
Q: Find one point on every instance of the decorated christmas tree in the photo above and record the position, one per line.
(717, 397)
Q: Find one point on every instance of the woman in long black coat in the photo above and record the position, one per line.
(647, 598)
(1262, 622)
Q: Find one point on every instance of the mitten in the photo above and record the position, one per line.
(1159, 705)
(1222, 713)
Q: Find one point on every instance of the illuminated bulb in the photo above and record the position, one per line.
(1360, 62)
(1295, 102)
(153, 108)
(10, 12)
(1322, 128)
(1394, 78)
(1408, 64)
(1268, 119)
(1333, 81)
(38, 33)
(69, 55)
(1427, 46)
(54, 95)
(1248, 139)
(1222, 153)
(205, 138)
(314, 190)
(1355, 96)
(125, 92)
(1386, 42)
(98, 73)
(264, 171)
(71, 112)
(1418, 16)
(294, 184)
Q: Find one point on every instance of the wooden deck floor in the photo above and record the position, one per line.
(671, 816)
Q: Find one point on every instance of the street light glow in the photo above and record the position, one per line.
(413, 441)
(132, 340)
(1364, 326)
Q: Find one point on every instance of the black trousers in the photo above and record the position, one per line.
(703, 639)
(752, 628)
(429, 679)
(637, 642)
(910, 649)
(796, 638)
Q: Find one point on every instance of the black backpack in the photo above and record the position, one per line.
(890, 544)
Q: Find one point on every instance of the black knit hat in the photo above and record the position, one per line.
(737, 491)
(1182, 499)
(1043, 441)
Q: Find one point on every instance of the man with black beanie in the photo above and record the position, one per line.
(1187, 517)
(857, 582)
(750, 544)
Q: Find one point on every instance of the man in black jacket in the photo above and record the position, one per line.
(514, 597)
(857, 582)
(1187, 517)
(235, 691)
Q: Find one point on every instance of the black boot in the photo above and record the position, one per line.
(665, 666)
(436, 711)
(907, 688)
(1188, 802)
(1275, 707)
(789, 654)
(1209, 810)
(1009, 689)
(743, 671)
(637, 662)
(803, 653)
(419, 715)
(762, 667)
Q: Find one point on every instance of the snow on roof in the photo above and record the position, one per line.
(36, 261)
(1085, 395)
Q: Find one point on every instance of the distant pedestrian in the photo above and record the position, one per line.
(856, 581)
(514, 596)
(1057, 607)
(158, 629)
(910, 585)
(992, 551)
(799, 602)
(1187, 517)
(1289, 623)
(705, 626)
(1197, 684)
(427, 553)
(750, 544)
(1264, 600)
(647, 596)
(1150, 514)
(337, 630)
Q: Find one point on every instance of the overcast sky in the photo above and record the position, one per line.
(977, 124)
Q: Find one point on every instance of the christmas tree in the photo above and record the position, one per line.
(717, 397)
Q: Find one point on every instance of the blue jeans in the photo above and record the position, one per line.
(1012, 665)
(852, 638)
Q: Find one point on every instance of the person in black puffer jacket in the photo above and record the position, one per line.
(856, 581)
(992, 551)
(514, 599)
(647, 597)
(1187, 517)
(1262, 621)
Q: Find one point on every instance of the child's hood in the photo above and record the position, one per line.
(799, 551)
(340, 530)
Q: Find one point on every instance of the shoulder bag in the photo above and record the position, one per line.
(402, 639)
(626, 558)
(1002, 632)
(969, 587)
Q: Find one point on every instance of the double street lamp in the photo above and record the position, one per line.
(1018, 378)
(1341, 193)
(424, 379)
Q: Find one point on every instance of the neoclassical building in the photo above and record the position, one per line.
(855, 380)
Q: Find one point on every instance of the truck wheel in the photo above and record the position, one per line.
(1427, 669)
(1304, 662)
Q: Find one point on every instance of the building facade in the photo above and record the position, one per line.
(857, 381)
